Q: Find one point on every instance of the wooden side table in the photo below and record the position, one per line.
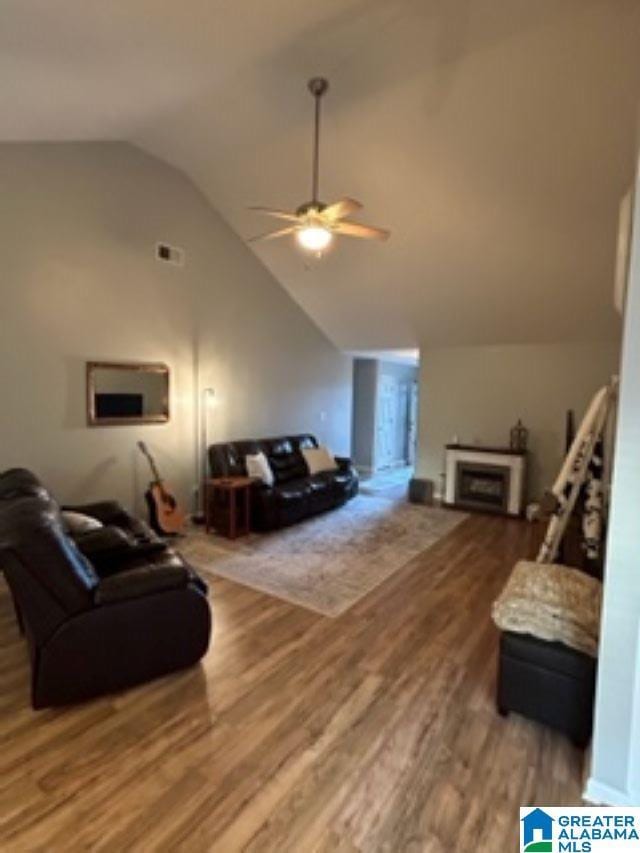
(234, 494)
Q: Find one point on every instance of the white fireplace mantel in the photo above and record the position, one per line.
(515, 462)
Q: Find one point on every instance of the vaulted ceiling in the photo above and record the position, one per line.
(493, 138)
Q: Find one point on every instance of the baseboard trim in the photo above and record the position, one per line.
(600, 794)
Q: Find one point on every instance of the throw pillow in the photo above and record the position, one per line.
(78, 522)
(319, 459)
(258, 467)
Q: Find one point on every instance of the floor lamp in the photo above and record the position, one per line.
(207, 402)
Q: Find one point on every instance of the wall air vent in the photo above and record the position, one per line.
(170, 254)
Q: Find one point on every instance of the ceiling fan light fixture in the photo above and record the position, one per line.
(315, 223)
(314, 238)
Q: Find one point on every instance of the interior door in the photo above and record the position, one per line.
(412, 426)
(386, 422)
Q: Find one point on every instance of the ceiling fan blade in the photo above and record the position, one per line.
(279, 214)
(271, 235)
(342, 208)
(354, 229)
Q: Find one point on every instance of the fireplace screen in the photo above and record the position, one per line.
(481, 486)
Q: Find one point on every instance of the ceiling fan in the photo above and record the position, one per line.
(315, 223)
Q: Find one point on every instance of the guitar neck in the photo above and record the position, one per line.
(152, 464)
(156, 474)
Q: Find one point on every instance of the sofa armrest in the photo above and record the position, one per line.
(106, 539)
(141, 581)
(110, 548)
(111, 513)
(106, 512)
(104, 547)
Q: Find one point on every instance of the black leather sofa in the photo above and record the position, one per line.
(295, 495)
(102, 611)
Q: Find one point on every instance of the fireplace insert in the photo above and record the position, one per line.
(482, 486)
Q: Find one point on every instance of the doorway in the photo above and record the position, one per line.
(385, 417)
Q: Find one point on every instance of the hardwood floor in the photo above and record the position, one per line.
(375, 731)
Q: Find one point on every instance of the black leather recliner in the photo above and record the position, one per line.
(103, 611)
(295, 495)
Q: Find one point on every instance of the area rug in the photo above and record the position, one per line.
(329, 562)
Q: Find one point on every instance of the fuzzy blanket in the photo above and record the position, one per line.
(553, 603)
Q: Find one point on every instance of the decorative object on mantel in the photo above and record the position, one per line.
(519, 436)
(489, 479)
(533, 511)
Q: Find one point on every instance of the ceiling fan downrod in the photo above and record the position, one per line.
(318, 86)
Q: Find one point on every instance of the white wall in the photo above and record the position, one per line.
(478, 394)
(615, 776)
(365, 389)
(78, 226)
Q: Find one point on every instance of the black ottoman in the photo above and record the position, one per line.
(547, 682)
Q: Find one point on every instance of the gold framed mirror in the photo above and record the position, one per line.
(121, 393)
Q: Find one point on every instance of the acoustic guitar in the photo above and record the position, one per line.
(165, 515)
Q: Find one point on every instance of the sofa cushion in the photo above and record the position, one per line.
(112, 514)
(323, 495)
(294, 490)
(239, 451)
(287, 463)
(300, 442)
(228, 458)
(258, 467)
(279, 446)
(339, 483)
(318, 459)
(78, 523)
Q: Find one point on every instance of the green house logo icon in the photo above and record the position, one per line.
(537, 834)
